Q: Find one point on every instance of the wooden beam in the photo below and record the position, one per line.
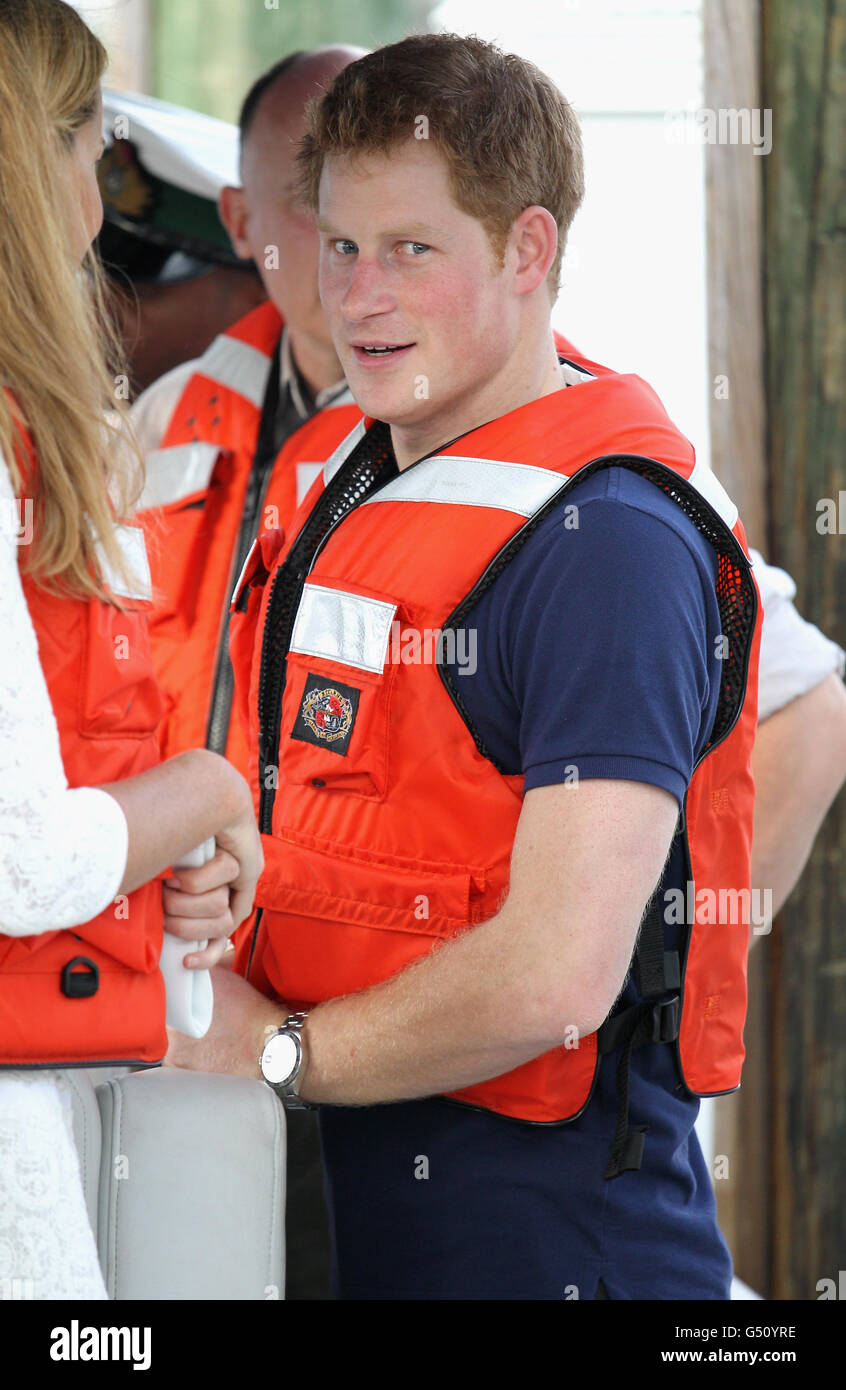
(734, 197)
(125, 31)
(804, 52)
(733, 181)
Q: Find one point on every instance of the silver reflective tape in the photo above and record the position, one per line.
(472, 482)
(134, 549)
(709, 485)
(306, 474)
(237, 365)
(239, 581)
(574, 376)
(342, 452)
(343, 627)
(344, 398)
(177, 472)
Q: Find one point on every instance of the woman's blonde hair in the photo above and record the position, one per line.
(59, 354)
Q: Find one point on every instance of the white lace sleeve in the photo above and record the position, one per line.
(62, 852)
(47, 1246)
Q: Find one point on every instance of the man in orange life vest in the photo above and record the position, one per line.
(460, 854)
(233, 439)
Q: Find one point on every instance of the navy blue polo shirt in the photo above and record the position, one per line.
(596, 647)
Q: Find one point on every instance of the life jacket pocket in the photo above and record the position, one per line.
(177, 540)
(119, 695)
(335, 921)
(126, 935)
(187, 499)
(335, 727)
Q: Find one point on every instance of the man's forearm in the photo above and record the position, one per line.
(460, 1015)
(544, 971)
(799, 763)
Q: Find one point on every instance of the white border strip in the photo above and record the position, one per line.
(344, 627)
(134, 547)
(473, 482)
(342, 452)
(177, 472)
(236, 365)
(307, 473)
(345, 397)
(708, 484)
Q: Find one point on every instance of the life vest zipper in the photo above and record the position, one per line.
(279, 623)
(311, 541)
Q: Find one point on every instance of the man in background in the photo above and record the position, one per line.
(232, 441)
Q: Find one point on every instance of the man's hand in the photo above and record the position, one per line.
(242, 1021)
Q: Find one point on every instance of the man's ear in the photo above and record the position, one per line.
(232, 206)
(534, 238)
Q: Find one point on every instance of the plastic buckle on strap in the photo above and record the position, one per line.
(628, 1155)
(80, 984)
(665, 1020)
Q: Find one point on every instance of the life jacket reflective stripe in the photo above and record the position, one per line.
(577, 366)
(194, 503)
(368, 781)
(110, 1005)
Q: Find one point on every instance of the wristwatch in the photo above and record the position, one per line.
(283, 1062)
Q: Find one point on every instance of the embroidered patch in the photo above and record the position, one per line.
(327, 714)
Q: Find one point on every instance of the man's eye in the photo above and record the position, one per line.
(344, 247)
(417, 247)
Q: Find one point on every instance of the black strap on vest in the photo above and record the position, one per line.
(656, 1020)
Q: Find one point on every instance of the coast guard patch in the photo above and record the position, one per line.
(327, 714)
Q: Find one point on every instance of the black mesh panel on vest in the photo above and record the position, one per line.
(370, 464)
(736, 597)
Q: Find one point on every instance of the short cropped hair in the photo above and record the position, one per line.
(249, 106)
(509, 137)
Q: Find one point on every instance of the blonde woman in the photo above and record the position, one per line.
(89, 819)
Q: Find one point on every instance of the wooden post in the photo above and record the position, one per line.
(125, 31)
(804, 82)
(734, 196)
(783, 1206)
(735, 307)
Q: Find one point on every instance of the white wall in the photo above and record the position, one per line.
(634, 277)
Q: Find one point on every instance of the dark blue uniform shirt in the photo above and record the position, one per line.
(596, 647)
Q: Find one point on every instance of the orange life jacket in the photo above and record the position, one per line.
(93, 994)
(567, 353)
(386, 828)
(210, 489)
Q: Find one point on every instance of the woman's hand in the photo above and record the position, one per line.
(243, 842)
(198, 904)
(172, 808)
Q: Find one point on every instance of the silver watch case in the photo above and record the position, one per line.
(281, 1061)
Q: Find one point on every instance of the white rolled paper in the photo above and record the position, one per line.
(190, 998)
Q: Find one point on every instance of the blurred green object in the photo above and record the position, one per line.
(207, 53)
